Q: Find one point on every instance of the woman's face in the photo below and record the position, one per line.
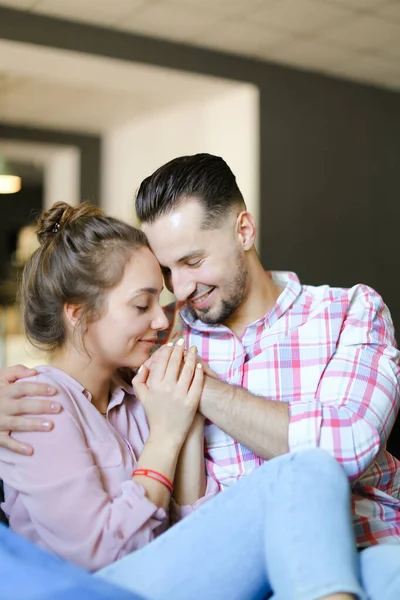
(132, 315)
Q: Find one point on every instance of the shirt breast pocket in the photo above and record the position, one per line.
(106, 454)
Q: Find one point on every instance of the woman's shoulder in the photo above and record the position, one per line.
(68, 389)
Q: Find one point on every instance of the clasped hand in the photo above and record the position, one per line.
(169, 387)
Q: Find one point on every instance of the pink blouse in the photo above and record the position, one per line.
(75, 496)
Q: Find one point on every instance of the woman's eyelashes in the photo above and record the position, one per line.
(142, 308)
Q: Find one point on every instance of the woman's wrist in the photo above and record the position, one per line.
(165, 443)
(197, 427)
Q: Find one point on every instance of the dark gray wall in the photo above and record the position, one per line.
(330, 155)
(330, 183)
(18, 210)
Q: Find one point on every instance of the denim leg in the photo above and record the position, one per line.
(29, 573)
(310, 549)
(380, 572)
(287, 525)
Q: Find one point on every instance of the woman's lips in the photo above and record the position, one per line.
(151, 342)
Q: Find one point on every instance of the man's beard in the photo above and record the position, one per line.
(235, 292)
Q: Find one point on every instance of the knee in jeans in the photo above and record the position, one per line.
(324, 466)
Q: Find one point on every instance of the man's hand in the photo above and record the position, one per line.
(17, 399)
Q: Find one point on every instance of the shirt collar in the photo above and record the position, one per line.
(120, 386)
(291, 289)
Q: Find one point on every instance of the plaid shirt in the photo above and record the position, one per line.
(330, 353)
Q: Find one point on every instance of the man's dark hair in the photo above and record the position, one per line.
(204, 176)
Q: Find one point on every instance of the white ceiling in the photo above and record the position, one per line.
(29, 152)
(356, 39)
(67, 90)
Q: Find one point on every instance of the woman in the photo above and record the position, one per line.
(119, 460)
(90, 298)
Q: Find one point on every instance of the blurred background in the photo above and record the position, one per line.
(301, 97)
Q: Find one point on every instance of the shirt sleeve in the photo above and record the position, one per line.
(178, 512)
(62, 490)
(357, 398)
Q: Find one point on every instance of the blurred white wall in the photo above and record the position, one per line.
(226, 125)
(232, 131)
(62, 177)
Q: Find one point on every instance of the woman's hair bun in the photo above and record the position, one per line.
(60, 215)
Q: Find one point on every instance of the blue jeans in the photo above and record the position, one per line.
(29, 573)
(380, 572)
(286, 527)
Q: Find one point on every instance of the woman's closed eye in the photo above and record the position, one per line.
(142, 308)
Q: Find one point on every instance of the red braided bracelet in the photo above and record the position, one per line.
(156, 476)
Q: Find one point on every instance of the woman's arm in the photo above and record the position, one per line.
(160, 455)
(190, 478)
(169, 393)
(62, 499)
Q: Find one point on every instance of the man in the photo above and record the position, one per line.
(299, 366)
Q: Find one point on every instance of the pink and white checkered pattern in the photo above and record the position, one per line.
(330, 354)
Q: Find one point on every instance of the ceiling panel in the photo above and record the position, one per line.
(389, 11)
(242, 37)
(329, 36)
(94, 11)
(19, 4)
(365, 32)
(359, 5)
(391, 53)
(310, 54)
(170, 21)
(300, 16)
(224, 8)
(371, 69)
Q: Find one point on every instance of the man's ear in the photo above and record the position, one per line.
(73, 314)
(246, 229)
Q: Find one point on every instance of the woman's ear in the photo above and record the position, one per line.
(246, 229)
(73, 314)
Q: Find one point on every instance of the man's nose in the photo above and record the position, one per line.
(182, 286)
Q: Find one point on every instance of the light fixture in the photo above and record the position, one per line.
(9, 183)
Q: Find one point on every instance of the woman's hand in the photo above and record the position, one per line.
(170, 391)
(207, 369)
